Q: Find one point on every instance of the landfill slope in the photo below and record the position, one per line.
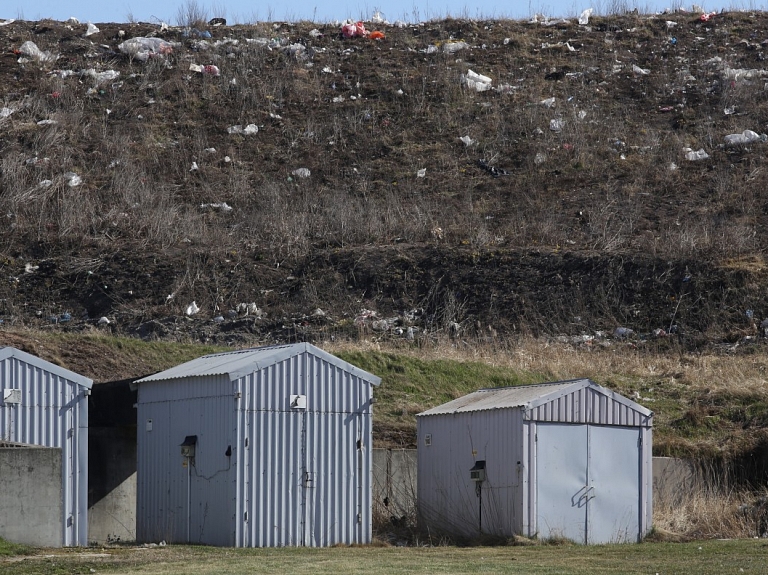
(464, 178)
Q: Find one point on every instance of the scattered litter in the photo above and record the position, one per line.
(421, 173)
(476, 81)
(249, 309)
(207, 70)
(217, 22)
(301, 173)
(73, 20)
(47, 122)
(453, 47)
(315, 33)
(338, 99)
(548, 102)
(376, 35)
(495, 172)
(671, 23)
(746, 137)
(6, 22)
(640, 71)
(30, 269)
(556, 124)
(103, 321)
(73, 179)
(102, 77)
(192, 309)
(706, 17)
(221, 207)
(730, 111)
(467, 140)
(31, 50)
(584, 17)
(351, 29)
(45, 184)
(694, 156)
(144, 48)
(195, 33)
(227, 159)
(210, 150)
(5, 112)
(672, 166)
(249, 130)
(623, 332)
(92, 29)
(539, 159)
(194, 167)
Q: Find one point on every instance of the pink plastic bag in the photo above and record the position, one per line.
(352, 30)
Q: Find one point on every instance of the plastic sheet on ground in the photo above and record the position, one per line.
(102, 77)
(695, 155)
(353, 29)
(746, 137)
(301, 172)
(144, 48)
(640, 71)
(31, 50)
(467, 140)
(206, 70)
(218, 206)
(92, 29)
(453, 47)
(556, 124)
(248, 130)
(73, 179)
(475, 81)
(584, 16)
(192, 309)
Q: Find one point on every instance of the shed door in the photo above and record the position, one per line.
(588, 482)
(614, 473)
(561, 480)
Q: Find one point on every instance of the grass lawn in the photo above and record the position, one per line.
(701, 558)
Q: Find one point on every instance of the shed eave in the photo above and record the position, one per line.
(81, 380)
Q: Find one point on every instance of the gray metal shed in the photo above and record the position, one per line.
(46, 405)
(565, 459)
(256, 448)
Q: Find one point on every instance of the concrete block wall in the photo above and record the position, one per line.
(31, 497)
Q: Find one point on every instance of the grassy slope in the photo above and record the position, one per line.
(704, 405)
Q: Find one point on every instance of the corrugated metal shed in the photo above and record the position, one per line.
(282, 450)
(47, 405)
(558, 459)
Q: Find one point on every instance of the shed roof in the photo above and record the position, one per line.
(22, 356)
(526, 397)
(236, 364)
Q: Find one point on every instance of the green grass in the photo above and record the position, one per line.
(702, 558)
(9, 549)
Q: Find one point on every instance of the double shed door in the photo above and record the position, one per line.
(588, 482)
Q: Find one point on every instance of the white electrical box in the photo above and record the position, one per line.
(12, 396)
(298, 402)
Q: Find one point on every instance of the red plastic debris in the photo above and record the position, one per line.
(707, 16)
(352, 30)
(377, 35)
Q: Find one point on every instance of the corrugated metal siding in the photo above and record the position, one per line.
(586, 405)
(446, 496)
(53, 413)
(276, 505)
(194, 503)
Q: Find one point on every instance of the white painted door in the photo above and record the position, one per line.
(561, 478)
(588, 483)
(613, 508)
